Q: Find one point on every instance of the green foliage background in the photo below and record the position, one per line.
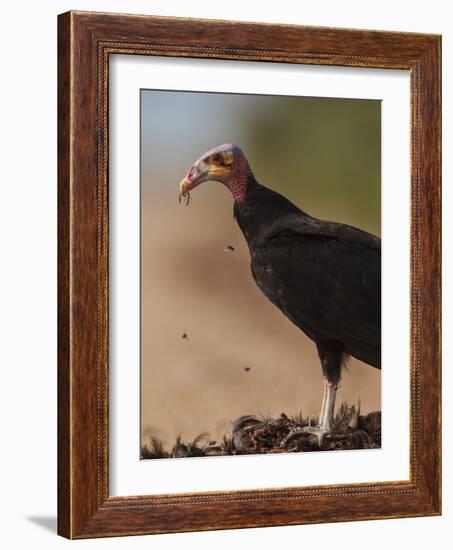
(324, 154)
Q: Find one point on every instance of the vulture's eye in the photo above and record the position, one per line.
(217, 158)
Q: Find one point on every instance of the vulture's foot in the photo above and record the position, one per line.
(306, 438)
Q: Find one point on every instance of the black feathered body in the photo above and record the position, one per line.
(324, 276)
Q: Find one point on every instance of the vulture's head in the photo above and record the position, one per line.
(226, 164)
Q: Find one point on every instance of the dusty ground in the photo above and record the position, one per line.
(279, 434)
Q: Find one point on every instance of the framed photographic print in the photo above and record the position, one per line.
(249, 275)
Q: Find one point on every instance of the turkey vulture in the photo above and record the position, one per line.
(324, 276)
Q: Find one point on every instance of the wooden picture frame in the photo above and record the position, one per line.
(85, 42)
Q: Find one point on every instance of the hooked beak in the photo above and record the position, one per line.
(205, 170)
(193, 178)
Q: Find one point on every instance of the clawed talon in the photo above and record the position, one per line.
(319, 432)
(186, 195)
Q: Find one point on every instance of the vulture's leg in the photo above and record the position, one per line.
(332, 355)
(323, 405)
(328, 405)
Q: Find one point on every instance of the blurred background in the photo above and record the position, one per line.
(213, 347)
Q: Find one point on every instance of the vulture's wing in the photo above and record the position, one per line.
(306, 225)
(326, 278)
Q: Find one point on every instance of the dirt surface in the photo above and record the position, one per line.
(254, 435)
